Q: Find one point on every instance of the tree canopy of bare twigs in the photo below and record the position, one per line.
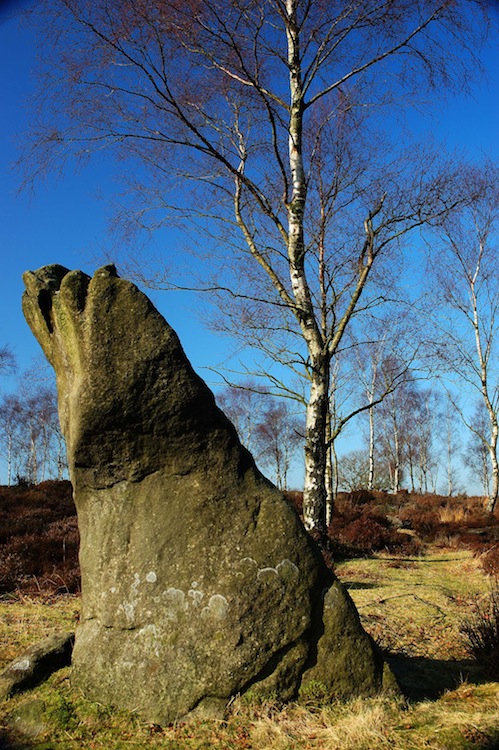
(467, 339)
(270, 126)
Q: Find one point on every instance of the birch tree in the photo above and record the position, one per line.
(269, 428)
(383, 361)
(245, 405)
(280, 433)
(390, 439)
(8, 412)
(354, 468)
(452, 442)
(248, 103)
(11, 413)
(31, 442)
(468, 286)
(476, 454)
(422, 417)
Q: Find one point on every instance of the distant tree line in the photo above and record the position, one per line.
(32, 447)
(411, 437)
(417, 446)
(268, 427)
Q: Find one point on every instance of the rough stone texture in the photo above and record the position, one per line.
(198, 579)
(36, 664)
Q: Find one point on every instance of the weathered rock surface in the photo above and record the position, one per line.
(36, 664)
(198, 579)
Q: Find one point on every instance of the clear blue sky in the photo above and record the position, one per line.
(65, 222)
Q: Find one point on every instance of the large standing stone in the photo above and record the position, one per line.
(198, 579)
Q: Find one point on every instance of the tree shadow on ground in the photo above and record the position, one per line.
(351, 585)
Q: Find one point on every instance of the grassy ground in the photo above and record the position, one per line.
(415, 605)
(412, 606)
(25, 620)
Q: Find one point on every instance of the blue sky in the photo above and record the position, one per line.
(66, 222)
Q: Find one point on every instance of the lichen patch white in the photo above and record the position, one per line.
(149, 629)
(129, 611)
(128, 607)
(267, 575)
(22, 665)
(149, 635)
(175, 600)
(218, 607)
(287, 570)
(151, 577)
(196, 596)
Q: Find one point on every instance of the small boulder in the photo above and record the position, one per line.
(36, 664)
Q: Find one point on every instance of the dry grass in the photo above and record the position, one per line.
(452, 513)
(25, 620)
(415, 606)
(461, 717)
(466, 718)
(376, 724)
(348, 726)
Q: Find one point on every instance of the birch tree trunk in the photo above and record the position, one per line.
(396, 459)
(494, 489)
(450, 484)
(469, 281)
(9, 460)
(370, 481)
(330, 487)
(483, 354)
(314, 490)
(33, 462)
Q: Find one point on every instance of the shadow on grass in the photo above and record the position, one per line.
(422, 678)
(16, 742)
(7, 744)
(13, 741)
(401, 561)
(351, 585)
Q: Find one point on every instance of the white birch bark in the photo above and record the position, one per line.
(314, 490)
(370, 480)
(396, 459)
(450, 484)
(330, 489)
(483, 359)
